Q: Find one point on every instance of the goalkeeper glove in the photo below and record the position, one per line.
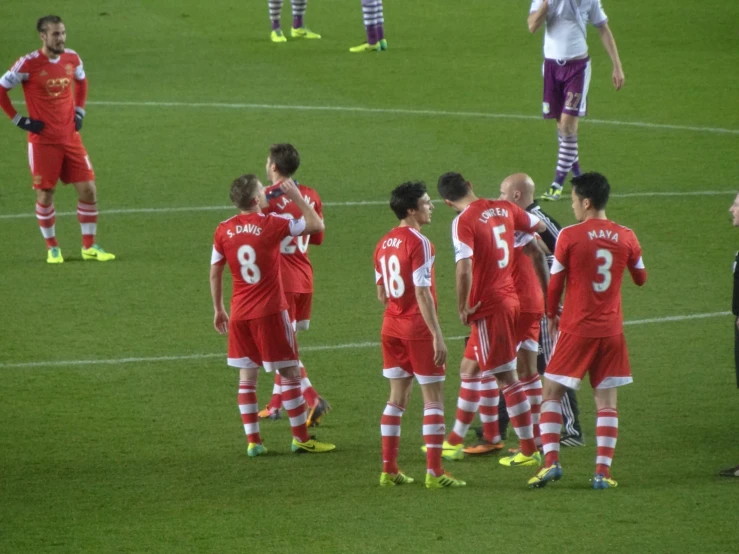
(79, 115)
(28, 124)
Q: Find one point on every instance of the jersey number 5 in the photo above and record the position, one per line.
(501, 245)
(394, 285)
(604, 269)
(248, 260)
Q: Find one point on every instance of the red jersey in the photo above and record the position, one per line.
(297, 271)
(250, 244)
(528, 288)
(484, 232)
(591, 258)
(404, 260)
(47, 89)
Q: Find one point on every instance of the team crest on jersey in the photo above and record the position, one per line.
(43, 73)
(545, 107)
(69, 68)
(56, 86)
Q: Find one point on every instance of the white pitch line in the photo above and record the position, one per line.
(179, 209)
(316, 348)
(403, 111)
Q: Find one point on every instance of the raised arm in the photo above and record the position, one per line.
(609, 43)
(313, 222)
(537, 17)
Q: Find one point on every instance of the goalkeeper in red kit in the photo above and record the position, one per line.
(55, 90)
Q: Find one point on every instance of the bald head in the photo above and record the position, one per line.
(519, 189)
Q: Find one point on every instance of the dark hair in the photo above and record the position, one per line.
(47, 19)
(594, 187)
(406, 196)
(285, 157)
(244, 190)
(452, 186)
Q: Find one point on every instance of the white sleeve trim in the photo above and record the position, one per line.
(521, 239)
(533, 220)
(378, 277)
(215, 256)
(79, 72)
(639, 263)
(556, 267)
(297, 226)
(12, 79)
(422, 276)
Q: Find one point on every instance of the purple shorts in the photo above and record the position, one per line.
(566, 87)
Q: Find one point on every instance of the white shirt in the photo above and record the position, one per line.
(566, 24)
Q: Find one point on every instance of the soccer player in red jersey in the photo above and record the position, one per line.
(259, 329)
(590, 257)
(297, 272)
(412, 341)
(55, 149)
(486, 300)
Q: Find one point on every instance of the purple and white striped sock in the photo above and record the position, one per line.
(566, 158)
(275, 12)
(299, 7)
(370, 10)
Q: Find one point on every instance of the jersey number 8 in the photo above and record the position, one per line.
(394, 285)
(248, 260)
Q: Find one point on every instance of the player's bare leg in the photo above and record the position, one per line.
(247, 400)
(550, 424)
(46, 216)
(567, 156)
(519, 412)
(400, 391)
(87, 215)
(606, 433)
(292, 399)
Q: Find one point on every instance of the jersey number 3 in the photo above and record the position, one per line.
(604, 269)
(394, 285)
(248, 260)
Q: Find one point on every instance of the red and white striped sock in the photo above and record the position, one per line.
(275, 403)
(294, 403)
(606, 433)
(87, 215)
(433, 435)
(467, 403)
(390, 430)
(249, 410)
(46, 216)
(551, 426)
(309, 393)
(519, 412)
(489, 400)
(532, 387)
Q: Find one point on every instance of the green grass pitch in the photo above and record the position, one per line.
(149, 455)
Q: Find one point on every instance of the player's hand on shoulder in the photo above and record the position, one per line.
(290, 189)
(220, 322)
(28, 124)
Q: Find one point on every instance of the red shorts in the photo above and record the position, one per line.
(403, 358)
(606, 359)
(299, 305)
(527, 331)
(493, 341)
(50, 163)
(266, 341)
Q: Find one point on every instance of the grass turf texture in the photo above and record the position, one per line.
(150, 456)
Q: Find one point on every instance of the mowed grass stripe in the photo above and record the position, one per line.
(402, 111)
(315, 348)
(178, 209)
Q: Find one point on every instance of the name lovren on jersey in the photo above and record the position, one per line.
(239, 229)
(493, 212)
(603, 234)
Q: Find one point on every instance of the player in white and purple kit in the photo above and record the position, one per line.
(374, 25)
(567, 72)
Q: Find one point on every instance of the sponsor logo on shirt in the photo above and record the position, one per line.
(57, 86)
